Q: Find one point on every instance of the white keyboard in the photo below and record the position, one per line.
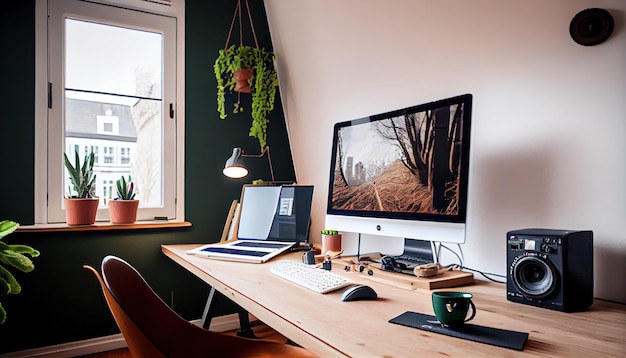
(316, 279)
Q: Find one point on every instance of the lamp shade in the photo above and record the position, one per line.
(234, 167)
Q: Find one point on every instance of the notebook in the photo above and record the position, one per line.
(272, 220)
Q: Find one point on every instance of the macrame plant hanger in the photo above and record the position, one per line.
(242, 75)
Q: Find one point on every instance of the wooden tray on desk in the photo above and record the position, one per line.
(445, 280)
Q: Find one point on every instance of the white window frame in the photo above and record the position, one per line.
(49, 136)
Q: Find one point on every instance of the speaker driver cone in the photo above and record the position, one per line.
(534, 277)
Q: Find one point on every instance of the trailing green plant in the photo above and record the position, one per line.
(12, 256)
(82, 177)
(125, 190)
(263, 84)
(330, 232)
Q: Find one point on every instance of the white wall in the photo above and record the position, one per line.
(549, 119)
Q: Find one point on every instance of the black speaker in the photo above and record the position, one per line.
(550, 268)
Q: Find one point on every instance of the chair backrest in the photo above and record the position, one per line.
(138, 344)
(152, 329)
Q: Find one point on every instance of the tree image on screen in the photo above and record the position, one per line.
(407, 163)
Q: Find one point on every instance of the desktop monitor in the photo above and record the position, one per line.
(403, 173)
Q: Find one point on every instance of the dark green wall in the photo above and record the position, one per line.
(60, 301)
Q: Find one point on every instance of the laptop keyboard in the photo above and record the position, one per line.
(227, 250)
(315, 279)
(261, 244)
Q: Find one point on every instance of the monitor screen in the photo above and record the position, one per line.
(403, 173)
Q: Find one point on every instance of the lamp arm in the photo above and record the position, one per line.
(269, 159)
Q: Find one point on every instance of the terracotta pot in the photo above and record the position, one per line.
(331, 243)
(81, 211)
(241, 77)
(123, 211)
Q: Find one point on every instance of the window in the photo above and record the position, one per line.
(124, 155)
(115, 83)
(109, 157)
(108, 190)
(107, 124)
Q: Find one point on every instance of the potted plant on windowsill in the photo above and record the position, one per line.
(81, 208)
(247, 69)
(123, 208)
(15, 256)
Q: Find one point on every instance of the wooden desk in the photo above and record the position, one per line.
(332, 328)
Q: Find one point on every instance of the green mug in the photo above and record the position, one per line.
(451, 307)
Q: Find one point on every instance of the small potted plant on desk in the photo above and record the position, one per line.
(331, 241)
(123, 208)
(81, 208)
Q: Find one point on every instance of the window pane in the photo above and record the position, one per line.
(113, 59)
(124, 127)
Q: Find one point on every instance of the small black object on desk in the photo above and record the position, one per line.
(359, 292)
(308, 258)
(389, 263)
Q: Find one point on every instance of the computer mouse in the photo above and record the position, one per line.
(360, 292)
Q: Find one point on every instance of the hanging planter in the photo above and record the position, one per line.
(231, 67)
(242, 76)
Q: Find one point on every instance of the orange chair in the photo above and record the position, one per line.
(152, 329)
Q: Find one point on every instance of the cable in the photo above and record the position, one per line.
(462, 267)
(484, 274)
(452, 251)
(461, 251)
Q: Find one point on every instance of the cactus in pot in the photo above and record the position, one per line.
(81, 208)
(82, 177)
(123, 209)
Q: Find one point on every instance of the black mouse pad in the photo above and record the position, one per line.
(472, 332)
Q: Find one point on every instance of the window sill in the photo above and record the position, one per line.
(102, 226)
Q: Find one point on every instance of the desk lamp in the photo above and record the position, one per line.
(234, 167)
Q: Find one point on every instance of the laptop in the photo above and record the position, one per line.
(272, 220)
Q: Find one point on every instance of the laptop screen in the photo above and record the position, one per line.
(275, 213)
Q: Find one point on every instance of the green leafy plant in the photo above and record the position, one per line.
(330, 232)
(82, 177)
(12, 256)
(263, 84)
(125, 189)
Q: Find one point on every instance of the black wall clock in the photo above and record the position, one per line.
(591, 26)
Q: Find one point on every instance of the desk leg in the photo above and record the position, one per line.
(245, 329)
(244, 324)
(207, 315)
